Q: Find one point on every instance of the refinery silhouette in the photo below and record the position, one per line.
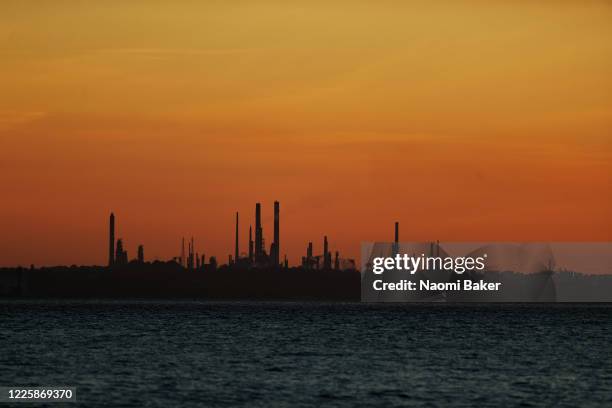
(257, 274)
(260, 273)
(257, 257)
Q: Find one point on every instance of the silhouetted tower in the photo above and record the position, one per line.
(183, 252)
(286, 262)
(111, 240)
(276, 255)
(121, 257)
(396, 240)
(197, 261)
(258, 233)
(191, 260)
(236, 253)
(250, 244)
(309, 256)
(119, 250)
(396, 232)
(326, 254)
(337, 261)
(140, 254)
(325, 245)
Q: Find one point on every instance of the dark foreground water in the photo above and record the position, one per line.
(310, 354)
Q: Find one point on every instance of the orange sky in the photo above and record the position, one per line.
(463, 120)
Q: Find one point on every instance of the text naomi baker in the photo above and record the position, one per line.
(406, 285)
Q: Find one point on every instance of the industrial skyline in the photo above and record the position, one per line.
(257, 256)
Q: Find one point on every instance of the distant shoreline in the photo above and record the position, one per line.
(170, 281)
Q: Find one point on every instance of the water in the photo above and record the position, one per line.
(310, 354)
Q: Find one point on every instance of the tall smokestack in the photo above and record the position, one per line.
(326, 254)
(337, 261)
(250, 244)
(325, 245)
(236, 253)
(396, 240)
(258, 233)
(191, 253)
(276, 233)
(111, 240)
(183, 252)
(396, 232)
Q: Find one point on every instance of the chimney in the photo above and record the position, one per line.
(396, 240)
(258, 233)
(140, 254)
(337, 261)
(121, 255)
(236, 252)
(326, 254)
(183, 252)
(192, 254)
(396, 232)
(111, 240)
(276, 255)
(250, 244)
(309, 256)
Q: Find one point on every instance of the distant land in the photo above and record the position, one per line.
(169, 280)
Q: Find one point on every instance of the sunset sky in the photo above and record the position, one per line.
(463, 120)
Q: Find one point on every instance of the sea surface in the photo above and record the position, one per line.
(256, 354)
